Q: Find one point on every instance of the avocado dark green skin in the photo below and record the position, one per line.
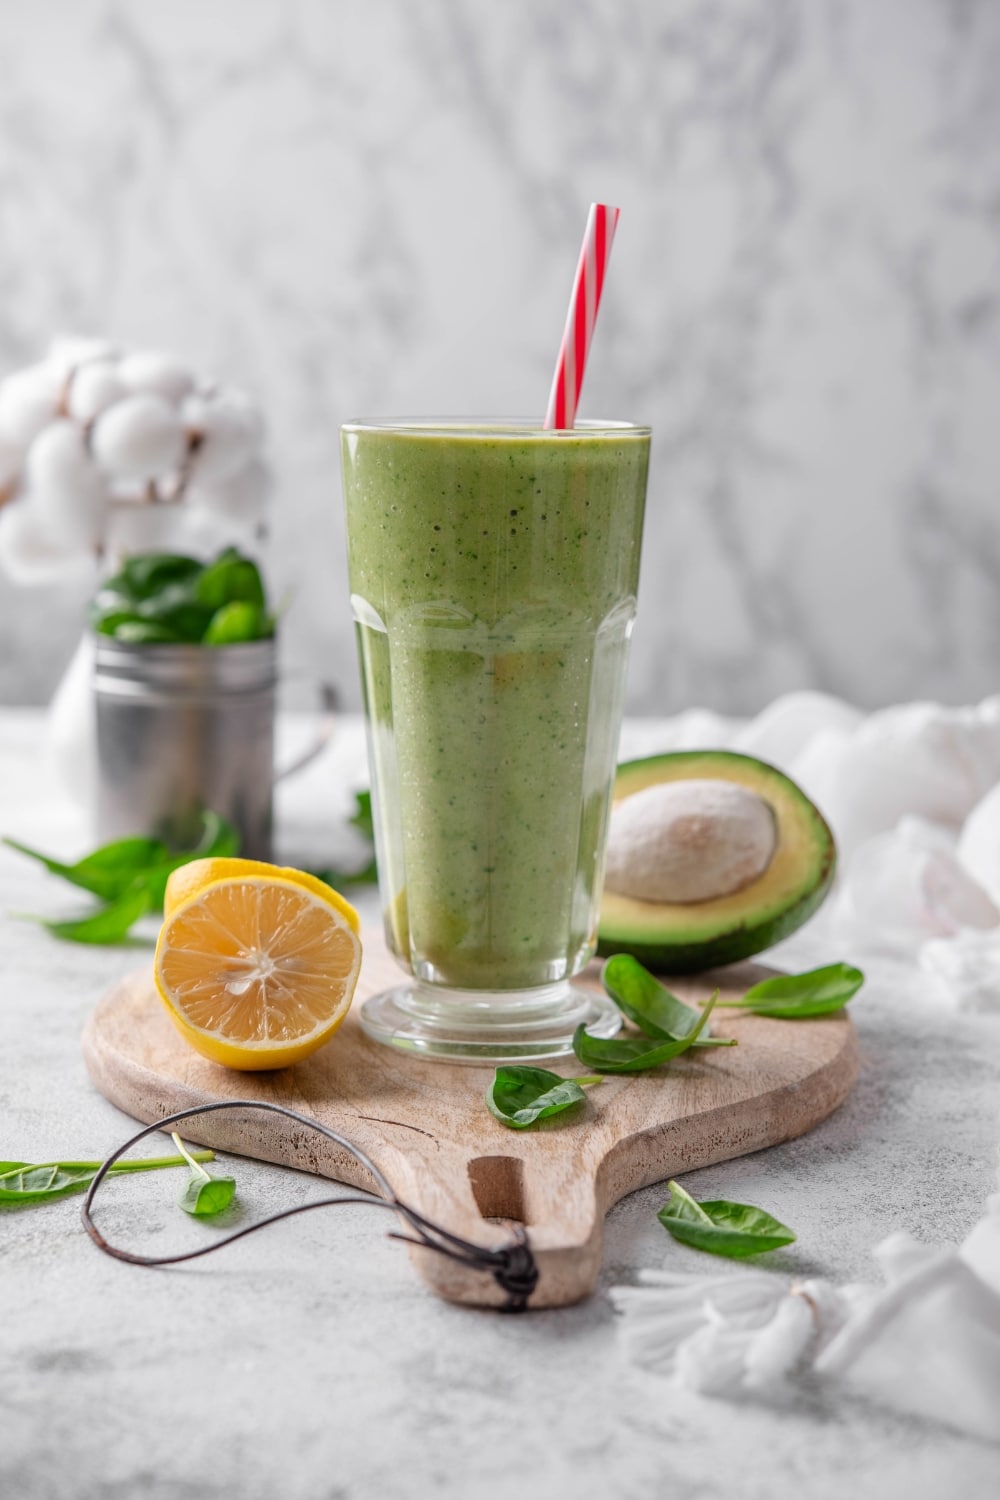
(729, 947)
(670, 952)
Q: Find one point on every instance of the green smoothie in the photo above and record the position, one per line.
(493, 578)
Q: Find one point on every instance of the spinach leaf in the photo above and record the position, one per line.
(109, 622)
(109, 925)
(229, 579)
(109, 871)
(22, 1182)
(362, 816)
(204, 1195)
(518, 1096)
(237, 622)
(635, 1054)
(131, 876)
(735, 1230)
(167, 599)
(798, 997)
(147, 572)
(649, 1005)
(176, 608)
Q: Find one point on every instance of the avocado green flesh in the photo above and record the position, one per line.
(687, 937)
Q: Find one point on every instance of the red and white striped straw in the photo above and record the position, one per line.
(595, 253)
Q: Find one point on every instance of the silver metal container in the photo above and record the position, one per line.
(182, 730)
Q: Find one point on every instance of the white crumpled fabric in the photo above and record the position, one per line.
(912, 794)
(925, 1342)
(913, 797)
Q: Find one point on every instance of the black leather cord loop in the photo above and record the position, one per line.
(512, 1265)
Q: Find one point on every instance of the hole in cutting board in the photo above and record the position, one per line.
(497, 1184)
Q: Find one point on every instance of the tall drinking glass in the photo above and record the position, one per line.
(494, 568)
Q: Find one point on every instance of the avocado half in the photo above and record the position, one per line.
(686, 937)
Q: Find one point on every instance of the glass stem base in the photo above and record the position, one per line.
(474, 1026)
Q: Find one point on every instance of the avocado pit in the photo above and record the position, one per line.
(689, 841)
(727, 859)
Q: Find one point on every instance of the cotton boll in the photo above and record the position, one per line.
(139, 438)
(227, 432)
(28, 400)
(30, 554)
(68, 353)
(94, 388)
(979, 843)
(10, 465)
(68, 493)
(243, 496)
(150, 373)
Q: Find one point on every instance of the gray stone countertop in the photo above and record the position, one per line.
(309, 1363)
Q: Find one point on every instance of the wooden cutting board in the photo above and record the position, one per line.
(426, 1126)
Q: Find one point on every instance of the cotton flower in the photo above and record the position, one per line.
(111, 451)
(93, 388)
(139, 438)
(29, 399)
(151, 374)
(68, 495)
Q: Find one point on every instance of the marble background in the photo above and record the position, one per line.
(361, 208)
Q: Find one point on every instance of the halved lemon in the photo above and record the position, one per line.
(255, 963)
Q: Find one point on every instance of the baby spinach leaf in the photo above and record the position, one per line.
(635, 1054)
(647, 1003)
(22, 1182)
(518, 1096)
(361, 818)
(168, 599)
(204, 1195)
(230, 578)
(109, 871)
(176, 608)
(109, 621)
(237, 622)
(131, 875)
(146, 573)
(203, 1198)
(799, 997)
(110, 924)
(735, 1230)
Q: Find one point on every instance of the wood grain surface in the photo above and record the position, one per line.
(426, 1126)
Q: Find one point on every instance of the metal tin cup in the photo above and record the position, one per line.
(182, 730)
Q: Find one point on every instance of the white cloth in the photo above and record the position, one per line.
(926, 1342)
(913, 797)
(912, 794)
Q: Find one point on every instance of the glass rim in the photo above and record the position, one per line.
(495, 427)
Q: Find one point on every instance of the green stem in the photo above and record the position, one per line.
(588, 1078)
(191, 1160)
(149, 1162)
(144, 1164)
